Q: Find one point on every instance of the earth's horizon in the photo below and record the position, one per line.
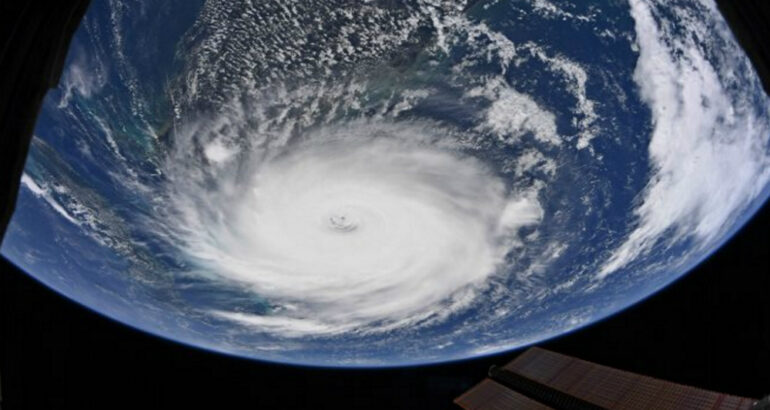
(380, 184)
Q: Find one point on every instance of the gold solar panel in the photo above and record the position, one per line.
(493, 396)
(615, 389)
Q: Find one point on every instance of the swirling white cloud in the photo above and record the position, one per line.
(360, 228)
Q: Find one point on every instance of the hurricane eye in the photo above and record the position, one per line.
(341, 222)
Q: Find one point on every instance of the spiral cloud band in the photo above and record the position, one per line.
(353, 232)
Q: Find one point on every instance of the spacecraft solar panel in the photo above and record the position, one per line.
(612, 388)
(493, 396)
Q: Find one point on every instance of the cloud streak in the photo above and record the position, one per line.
(709, 143)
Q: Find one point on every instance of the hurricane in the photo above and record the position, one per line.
(361, 228)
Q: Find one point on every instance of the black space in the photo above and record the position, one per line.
(710, 329)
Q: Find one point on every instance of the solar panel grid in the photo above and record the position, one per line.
(489, 395)
(680, 397)
(536, 365)
(479, 392)
(522, 361)
(613, 388)
(586, 378)
(740, 403)
(744, 403)
(571, 373)
(645, 392)
(596, 387)
(590, 382)
(584, 375)
(609, 393)
(734, 402)
(624, 386)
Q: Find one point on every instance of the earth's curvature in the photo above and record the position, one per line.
(379, 183)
